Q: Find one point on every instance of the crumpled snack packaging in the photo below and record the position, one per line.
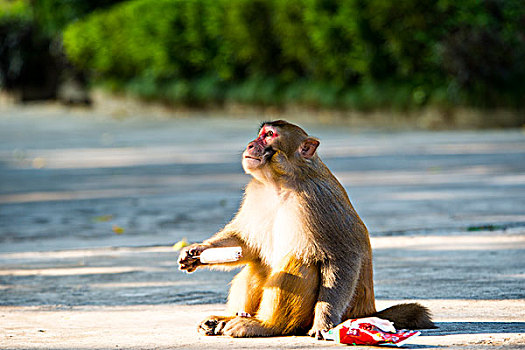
(368, 331)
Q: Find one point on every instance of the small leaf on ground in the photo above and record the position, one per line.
(103, 218)
(180, 244)
(118, 230)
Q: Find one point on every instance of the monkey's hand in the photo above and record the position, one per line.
(189, 257)
(315, 332)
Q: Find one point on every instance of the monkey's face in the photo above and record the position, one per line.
(280, 148)
(260, 151)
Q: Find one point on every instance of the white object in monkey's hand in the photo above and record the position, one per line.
(220, 255)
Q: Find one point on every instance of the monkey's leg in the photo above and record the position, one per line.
(363, 301)
(244, 297)
(287, 303)
(246, 289)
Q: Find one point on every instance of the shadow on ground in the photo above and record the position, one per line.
(448, 328)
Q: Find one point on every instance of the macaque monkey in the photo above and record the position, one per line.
(306, 253)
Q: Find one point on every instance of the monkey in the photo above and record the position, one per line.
(306, 254)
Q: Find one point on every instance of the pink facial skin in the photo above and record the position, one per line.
(266, 135)
(253, 155)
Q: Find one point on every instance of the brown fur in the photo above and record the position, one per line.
(408, 316)
(307, 254)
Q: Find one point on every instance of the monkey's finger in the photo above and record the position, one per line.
(220, 326)
(185, 266)
(191, 267)
(315, 334)
(185, 262)
(192, 251)
(181, 259)
(184, 255)
(184, 259)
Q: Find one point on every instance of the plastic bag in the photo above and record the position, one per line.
(368, 331)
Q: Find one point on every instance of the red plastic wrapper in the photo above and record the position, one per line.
(368, 331)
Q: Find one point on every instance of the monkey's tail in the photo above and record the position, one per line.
(408, 316)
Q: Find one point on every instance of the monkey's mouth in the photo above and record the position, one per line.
(251, 157)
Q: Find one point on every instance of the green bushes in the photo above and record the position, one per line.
(26, 64)
(52, 16)
(331, 53)
(14, 10)
(161, 39)
(32, 63)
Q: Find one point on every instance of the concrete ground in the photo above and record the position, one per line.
(90, 205)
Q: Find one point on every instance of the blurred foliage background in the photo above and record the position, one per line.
(357, 54)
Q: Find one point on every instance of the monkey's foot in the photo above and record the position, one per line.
(213, 325)
(244, 327)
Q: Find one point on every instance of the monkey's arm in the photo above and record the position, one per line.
(337, 287)
(228, 237)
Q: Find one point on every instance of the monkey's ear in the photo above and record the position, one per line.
(308, 147)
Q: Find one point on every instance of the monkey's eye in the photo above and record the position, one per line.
(269, 134)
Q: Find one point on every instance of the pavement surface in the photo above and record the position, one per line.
(90, 205)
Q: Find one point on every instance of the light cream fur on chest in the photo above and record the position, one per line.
(274, 222)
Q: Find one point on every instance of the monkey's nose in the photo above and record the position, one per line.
(251, 145)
